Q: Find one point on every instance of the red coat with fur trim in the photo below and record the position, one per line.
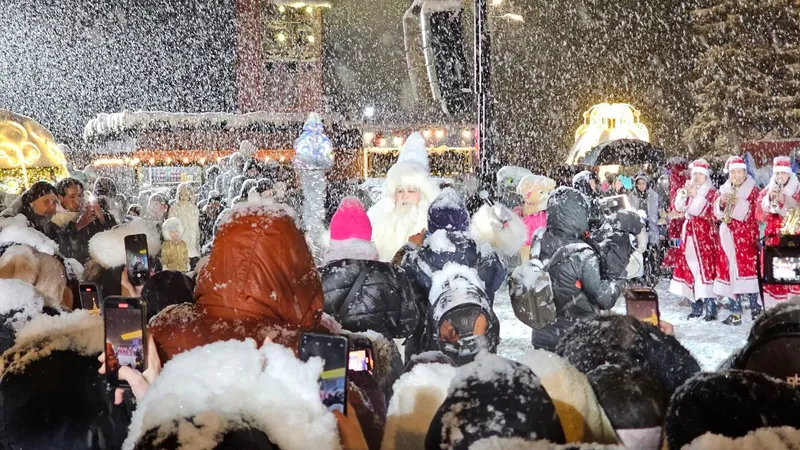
(736, 267)
(699, 244)
(774, 293)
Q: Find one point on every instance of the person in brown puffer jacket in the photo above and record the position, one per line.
(260, 281)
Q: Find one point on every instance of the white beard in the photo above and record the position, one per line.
(392, 230)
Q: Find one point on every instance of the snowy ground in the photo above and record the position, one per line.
(709, 342)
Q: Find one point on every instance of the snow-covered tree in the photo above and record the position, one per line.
(747, 84)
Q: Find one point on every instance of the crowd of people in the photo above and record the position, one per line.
(412, 277)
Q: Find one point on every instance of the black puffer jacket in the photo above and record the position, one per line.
(384, 302)
(613, 241)
(579, 289)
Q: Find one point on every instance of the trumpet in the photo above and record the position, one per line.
(684, 191)
(774, 206)
(729, 205)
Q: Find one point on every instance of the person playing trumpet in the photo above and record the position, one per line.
(775, 201)
(695, 267)
(735, 207)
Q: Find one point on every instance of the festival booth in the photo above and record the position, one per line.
(162, 149)
(28, 153)
(451, 148)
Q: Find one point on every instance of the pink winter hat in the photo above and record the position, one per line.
(350, 221)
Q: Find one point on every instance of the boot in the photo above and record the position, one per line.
(733, 319)
(755, 306)
(697, 309)
(711, 310)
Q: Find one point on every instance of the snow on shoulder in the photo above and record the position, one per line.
(498, 443)
(783, 438)
(488, 368)
(108, 248)
(268, 389)
(17, 231)
(439, 242)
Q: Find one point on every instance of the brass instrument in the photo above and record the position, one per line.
(790, 222)
(774, 206)
(729, 205)
(684, 191)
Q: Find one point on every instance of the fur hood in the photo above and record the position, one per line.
(350, 249)
(170, 225)
(409, 174)
(783, 438)
(16, 230)
(418, 394)
(108, 248)
(487, 227)
(42, 335)
(268, 389)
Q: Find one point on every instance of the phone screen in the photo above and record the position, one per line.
(360, 361)
(138, 259)
(643, 305)
(334, 352)
(90, 298)
(616, 203)
(125, 336)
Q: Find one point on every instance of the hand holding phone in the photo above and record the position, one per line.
(642, 303)
(125, 334)
(138, 259)
(333, 350)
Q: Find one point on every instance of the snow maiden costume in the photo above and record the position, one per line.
(695, 270)
(392, 224)
(773, 213)
(738, 233)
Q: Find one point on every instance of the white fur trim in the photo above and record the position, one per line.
(269, 387)
(351, 249)
(641, 439)
(170, 225)
(404, 174)
(23, 234)
(742, 207)
(77, 331)
(108, 248)
(778, 438)
(417, 396)
(487, 228)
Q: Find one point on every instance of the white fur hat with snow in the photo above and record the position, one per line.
(170, 225)
(734, 163)
(415, 151)
(781, 164)
(412, 170)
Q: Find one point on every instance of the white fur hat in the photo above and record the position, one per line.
(170, 225)
(407, 174)
(108, 248)
(700, 166)
(415, 151)
(735, 162)
(782, 164)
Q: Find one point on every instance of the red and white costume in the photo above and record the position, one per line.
(695, 271)
(736, 266)
(773, 293)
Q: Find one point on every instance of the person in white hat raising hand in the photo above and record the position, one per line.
(735, 207)
(695, 268)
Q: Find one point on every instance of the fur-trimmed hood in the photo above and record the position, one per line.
(408, 174)
(170, 225)
(108, 248)
(42, 335)
(268, 389)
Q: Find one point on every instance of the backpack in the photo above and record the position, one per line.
(531, 289)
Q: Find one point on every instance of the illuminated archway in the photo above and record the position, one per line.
(606, 122)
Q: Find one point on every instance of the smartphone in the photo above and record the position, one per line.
(91, 299)
(781, 265)
(642, 303)
(360, 361)
(334, 351)
(125, 327)
(138, 259)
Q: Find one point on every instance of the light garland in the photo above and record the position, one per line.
(14, 181)
(156, 158)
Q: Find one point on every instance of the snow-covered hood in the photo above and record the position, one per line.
(267, 388)
(16, 230)
(108, 248)
(783, 438)
(77, 331)
(417, 396)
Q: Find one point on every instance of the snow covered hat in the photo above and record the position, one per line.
(781, 164)
(733, 163)
(700, 166)
(415, 151)
(447, 212)
(247, 149)
(170, 225)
